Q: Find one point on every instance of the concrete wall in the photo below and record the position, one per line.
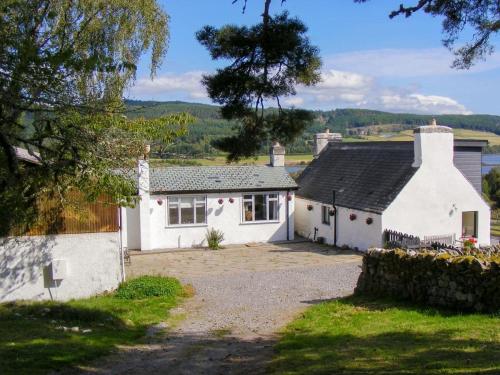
(432, 204)
(226, 217)
(93, 266)
(355, 234)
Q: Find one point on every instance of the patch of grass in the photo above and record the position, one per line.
(149, 286)
(359, 335)
(36, 337)
(221, 332)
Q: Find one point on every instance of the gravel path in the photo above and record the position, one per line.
(232, 321)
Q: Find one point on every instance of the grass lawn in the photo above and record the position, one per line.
(359, 335)
(221, 160)
(407, 135)
(33, 341)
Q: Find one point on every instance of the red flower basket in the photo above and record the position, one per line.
(369, 220)
(231, 200)
(352, 217)
(309, 207)
(160, 202)
(221, 200)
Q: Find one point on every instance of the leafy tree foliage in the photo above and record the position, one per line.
(491, 185)
(63, 67)
(483, 16)
(268, 60)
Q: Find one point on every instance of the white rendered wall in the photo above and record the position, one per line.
(355, 234)
(226, 217)
(93, 266)
(133, 233)
(432, 204)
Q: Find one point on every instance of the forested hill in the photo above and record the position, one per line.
(345, 121)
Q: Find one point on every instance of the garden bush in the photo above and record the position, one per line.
(214, 238)
(149, 286)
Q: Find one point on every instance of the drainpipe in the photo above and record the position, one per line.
(287, 216)
(120, 228)
(334, 219)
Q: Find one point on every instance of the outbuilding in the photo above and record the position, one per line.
(353, 193)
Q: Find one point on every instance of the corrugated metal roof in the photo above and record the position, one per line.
(220, 178)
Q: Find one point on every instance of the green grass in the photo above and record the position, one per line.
(407, 135)
(221, 160)
(32, 340)
(358, 335)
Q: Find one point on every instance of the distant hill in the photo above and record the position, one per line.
(353, 123)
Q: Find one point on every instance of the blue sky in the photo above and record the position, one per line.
(369, 60)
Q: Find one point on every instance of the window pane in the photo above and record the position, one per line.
(247, 211)
(247, 197)
(200, 214)
(260, 207)
(325, 215)
(173, 215)
(273, 196)
(187, 215)
(187, 210)
(273, 210)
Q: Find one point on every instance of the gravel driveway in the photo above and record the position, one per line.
(244, 296)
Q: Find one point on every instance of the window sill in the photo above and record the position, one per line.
(260, 222)
(186, 226)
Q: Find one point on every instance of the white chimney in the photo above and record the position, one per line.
(277, 155)
(321, 141)
(144, 203)
(433, 146)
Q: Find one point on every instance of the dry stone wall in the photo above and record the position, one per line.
(457, 282)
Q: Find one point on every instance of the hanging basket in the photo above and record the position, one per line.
(160, 202)
(231, 200)
(221, 200)
(369, 220)
(353, 217)
(332, 212)
(309, 207)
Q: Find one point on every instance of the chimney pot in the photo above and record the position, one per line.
(277, 155)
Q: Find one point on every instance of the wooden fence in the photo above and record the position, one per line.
(393, 239)
(75, 216)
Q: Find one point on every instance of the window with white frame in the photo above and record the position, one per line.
(325, 215)
(260, 207)
(186, 210)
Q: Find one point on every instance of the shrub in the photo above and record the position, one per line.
(214, 238)
(149, 286)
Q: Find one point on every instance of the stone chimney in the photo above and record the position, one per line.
(144, 203)
(277, 155)
(321, 141)
(433, 146)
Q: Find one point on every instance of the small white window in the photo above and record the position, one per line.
(186, 210)
(325, 215)
(260, 207)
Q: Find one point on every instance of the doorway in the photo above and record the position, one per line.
(469, 224)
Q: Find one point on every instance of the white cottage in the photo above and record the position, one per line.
(409, 187)
(178, 204)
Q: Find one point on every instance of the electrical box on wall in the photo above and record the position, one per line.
(59, 269)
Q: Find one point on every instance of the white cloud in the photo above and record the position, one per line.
(418, 103)
(348, 89)
(170, 85)
(294, 101)
(337, 89)
(405, 62)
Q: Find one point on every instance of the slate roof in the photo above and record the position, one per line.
(225, 178)
(367, 175)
